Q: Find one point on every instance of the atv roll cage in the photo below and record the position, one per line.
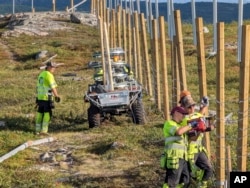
(126, 98)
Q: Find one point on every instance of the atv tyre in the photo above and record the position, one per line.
(94, 116)
(138, 113)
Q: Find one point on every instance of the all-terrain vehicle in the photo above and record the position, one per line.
(124, 98)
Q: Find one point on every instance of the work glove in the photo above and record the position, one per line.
(205, 101)
(57, 99)
(201, 127)
(193, 124)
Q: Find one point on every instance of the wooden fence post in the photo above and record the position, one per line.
(156, 63)
(180, 51)
(113, 34)
(108, 23)
(229, 164)
(108, 61)
(202, 72)
(135, 54)
(176, 89)
(101, 9)
(101, 23)
(129, 31)
(104, 5)
(164, 67)
(118, 19)
(124, 34)
(220, 110)
(138, 47)
(243, 100)
(148, 78)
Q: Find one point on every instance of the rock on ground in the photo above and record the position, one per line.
(40, 23)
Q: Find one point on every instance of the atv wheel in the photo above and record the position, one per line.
(94, 116)
(138, 113)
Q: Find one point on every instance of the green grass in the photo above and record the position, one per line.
(134, 162)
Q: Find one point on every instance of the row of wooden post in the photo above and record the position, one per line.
(148, 70)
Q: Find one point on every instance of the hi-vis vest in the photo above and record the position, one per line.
(45, 83)
(175, 146)
(194, 146)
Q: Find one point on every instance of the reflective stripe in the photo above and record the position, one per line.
(42, 90)
(197, 142)
(176, 146)
(172, 139)
(43, 93)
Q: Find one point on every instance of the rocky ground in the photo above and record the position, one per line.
(41, 23)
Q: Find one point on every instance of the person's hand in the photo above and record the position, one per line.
(193, 124)
(57, 99)
(205, 101)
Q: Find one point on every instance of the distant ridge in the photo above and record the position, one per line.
(227, 12)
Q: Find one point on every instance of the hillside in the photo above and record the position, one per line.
(227, 12)
(118, 154)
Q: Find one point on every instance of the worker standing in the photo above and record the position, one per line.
(200, 166)
(46, 94)
(174, 159)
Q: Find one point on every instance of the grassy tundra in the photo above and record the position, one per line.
(117, 154)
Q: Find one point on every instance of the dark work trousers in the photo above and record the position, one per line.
(202, 161)
(175, 177)
(44, 106)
